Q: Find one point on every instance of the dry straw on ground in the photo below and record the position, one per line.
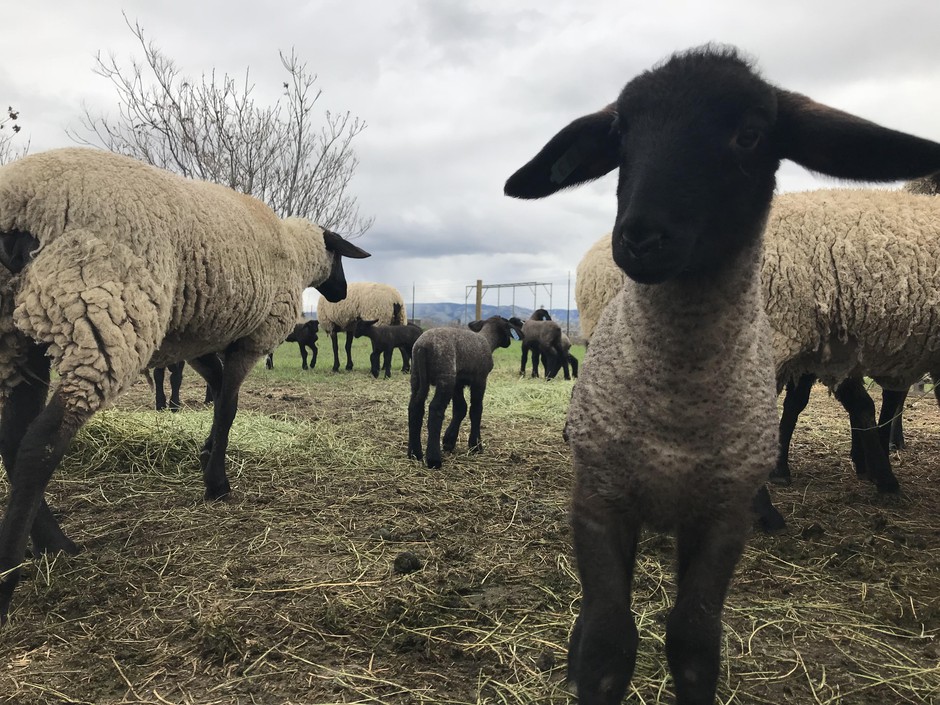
(288, 593)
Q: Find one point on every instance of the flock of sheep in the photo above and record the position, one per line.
(111, 266)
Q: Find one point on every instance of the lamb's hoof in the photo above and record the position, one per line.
(59, 544)
(434, 463)
(478, 448)
(222, 492)
(780, 476)
(348, 367)
(888, 485)
(415, 455)
(773, 523)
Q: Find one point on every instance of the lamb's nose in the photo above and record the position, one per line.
(643, 243)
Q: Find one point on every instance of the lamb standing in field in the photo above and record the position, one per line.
(543, 337)
(451, 359)
(111, 266)
(686, 457)
(366, 301)
(385, 339)
(305, 335)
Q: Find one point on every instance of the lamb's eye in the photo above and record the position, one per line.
(747, 138)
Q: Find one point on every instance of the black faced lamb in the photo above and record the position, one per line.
(385, 339)
(305, 335)
(364, 300)
(542, 337)
(111, 266)
(648, 451)
(450, 359)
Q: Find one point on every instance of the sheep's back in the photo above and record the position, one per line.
(365, 300)
(850, 278)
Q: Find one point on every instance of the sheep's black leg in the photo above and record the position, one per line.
(349, 342)
(436, 409)
(303, 356)
(405, 358)
(535, 361)
(210, 368)
(176, 381)
(238, 363)
(313, 356)
(890, 426)
(707, 555)
(459, 413)
(374, 362)
(869, 456)
(40, 451)
(768, 518)
(795, 400)
(419, 395)
(24, 403)
(477, 390)
(334, 339)
(269, 361)
(525, 359)
(603, 644)
(563, 361)
(159, 375)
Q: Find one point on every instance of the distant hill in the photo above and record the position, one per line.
(446, 314)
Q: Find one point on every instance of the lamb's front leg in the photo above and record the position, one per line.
(707, 555)
(603, 644)
(477, 391)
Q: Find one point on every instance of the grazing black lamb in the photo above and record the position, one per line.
(385, 338)
(451, 359)
(542, 337)
(697, 141)
(305, 335)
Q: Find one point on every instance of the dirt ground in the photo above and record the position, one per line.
(341, 572)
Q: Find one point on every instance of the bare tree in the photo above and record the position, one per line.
(9, 128)
(214, 130)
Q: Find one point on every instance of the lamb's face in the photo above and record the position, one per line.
(696, 167)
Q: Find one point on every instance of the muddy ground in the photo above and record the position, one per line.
(341, 572)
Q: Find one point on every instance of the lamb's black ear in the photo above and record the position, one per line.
(475, 326)
(585, 150)
(839, 144)
(339, 245)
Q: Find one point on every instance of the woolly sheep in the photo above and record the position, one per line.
(384, 341)
(597, 281)
(850, 279)
(451, 359)
(111, 266)
(365, 300)
(849, 289)
(305, 335)
(688, 457)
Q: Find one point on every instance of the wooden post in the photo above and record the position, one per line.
(479, 300)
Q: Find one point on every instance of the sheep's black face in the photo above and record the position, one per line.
(333, 287)
(696, 166)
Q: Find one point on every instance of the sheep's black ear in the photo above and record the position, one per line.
(839, 144)
(585, 150)
(339, 245)
(475, 326)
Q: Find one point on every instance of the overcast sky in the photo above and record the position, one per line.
(458, 94)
